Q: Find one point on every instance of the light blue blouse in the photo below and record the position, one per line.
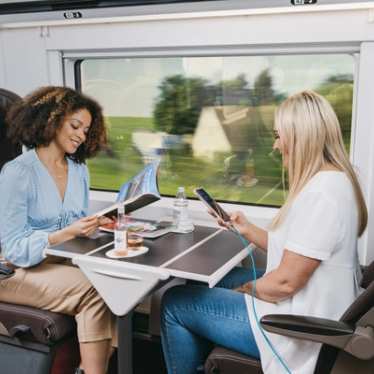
(31, 206)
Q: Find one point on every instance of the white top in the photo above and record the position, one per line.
(322, 224)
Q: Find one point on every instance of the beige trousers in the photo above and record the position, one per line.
(62, 288)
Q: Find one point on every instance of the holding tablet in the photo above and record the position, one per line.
(211, 204)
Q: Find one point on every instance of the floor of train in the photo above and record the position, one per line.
(147, 351)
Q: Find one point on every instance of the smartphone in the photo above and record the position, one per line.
(211, 204)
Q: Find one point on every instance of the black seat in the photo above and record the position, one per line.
(8, 151)
(32, 341)
(348, 344)
(35, 325)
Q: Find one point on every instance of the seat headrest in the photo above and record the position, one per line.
(7, 98)
(8, 151)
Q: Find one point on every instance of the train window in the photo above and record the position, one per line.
(209, 119)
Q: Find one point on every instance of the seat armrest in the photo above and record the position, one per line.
(305, 325)
(358, 341)
(36, 325)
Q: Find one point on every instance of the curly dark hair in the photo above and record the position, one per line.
(35, 119)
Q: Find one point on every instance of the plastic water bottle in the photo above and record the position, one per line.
(120, 233)
(182, 221)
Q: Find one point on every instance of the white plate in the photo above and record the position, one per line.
(139, 227)
(131, 253)
(145, 234)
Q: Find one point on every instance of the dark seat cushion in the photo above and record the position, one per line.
(45, 327)
(367, 275)
(8, 151)
(222, 360)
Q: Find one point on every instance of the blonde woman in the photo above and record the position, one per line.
(312, 263)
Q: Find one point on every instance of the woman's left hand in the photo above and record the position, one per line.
(83, 227)
(244, 288)
(103, 220)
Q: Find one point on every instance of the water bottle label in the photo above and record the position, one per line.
(175, 215)
(120, 239)
(181, 219)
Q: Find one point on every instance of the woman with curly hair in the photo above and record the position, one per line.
(44, 201)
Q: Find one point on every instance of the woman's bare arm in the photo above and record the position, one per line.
(82, 227)
(257, 236)
(253, 233)
(292, 275)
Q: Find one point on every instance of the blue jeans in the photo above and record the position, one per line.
(195, 317)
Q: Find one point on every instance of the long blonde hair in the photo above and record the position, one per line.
(310, 133)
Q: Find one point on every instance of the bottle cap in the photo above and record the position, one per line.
(121, 209)
(180, 189)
